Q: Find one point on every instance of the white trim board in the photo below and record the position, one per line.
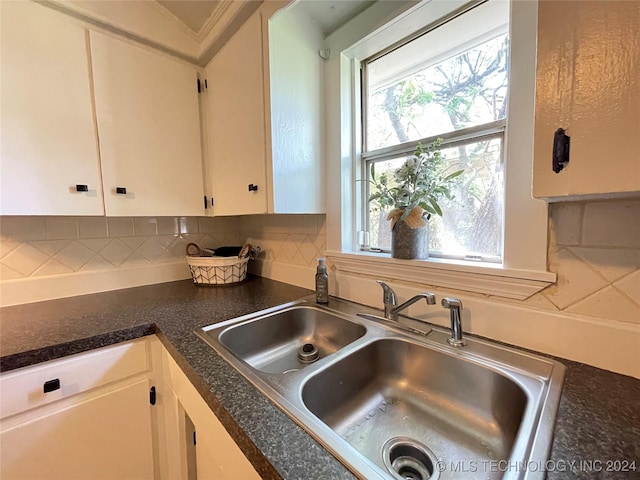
(485, 279)
(37, 289)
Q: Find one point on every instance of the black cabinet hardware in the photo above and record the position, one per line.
(121, 190)
(205, 202)
(253, 188)
(152, 396)
(51, 385)
(82, 188)
(561, 143)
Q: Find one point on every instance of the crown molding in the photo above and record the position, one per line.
(170, 16)
(214, 18)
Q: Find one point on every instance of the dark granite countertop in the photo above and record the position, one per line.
(597, 430)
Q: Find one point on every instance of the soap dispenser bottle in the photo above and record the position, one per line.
(322, 282)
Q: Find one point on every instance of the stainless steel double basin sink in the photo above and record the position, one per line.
(391, 403)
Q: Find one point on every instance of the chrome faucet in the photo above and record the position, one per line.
(455, 306)
(391, 307)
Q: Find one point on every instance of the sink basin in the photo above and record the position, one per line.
(398, 402)
(452, 409)
(289, 340)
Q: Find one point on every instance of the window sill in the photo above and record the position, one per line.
(486, 279)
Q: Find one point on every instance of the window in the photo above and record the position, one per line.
(448, 81)
(378, 31)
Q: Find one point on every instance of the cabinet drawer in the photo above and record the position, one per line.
(24, 389)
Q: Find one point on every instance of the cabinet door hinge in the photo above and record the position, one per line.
(152, 396)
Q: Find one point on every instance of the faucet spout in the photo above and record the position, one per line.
(390, 301)
(430, 298)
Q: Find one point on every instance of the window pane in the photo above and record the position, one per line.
(471, 223)
(451, 78)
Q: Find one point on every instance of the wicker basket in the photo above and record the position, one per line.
(209, 270)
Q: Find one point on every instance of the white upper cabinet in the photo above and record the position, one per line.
(48, 138)
(149, 129)
(588, 83)
(265, 116)
(236, 123)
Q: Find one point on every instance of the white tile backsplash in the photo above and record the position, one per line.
(630, 286)
(75, 255)
(608, 303)
(43, 246)
(145, 226)
(23, 229)
(61, 228)
(612, 224)
(565, 223)
(92, 227)
(25, 259)
(594, 248)
(95, 244)
(168, 225)
(7, 273)
(50, 247)
(120, 226)
(53, 267)
(611, 263)
(116, 252)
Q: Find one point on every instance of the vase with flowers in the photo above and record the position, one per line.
(413, 193)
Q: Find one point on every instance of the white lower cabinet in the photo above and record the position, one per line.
(84, 416)
(200, 446)
(105, 437)
(125, 411)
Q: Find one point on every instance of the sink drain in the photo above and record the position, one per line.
(308, 353)
(409, 460)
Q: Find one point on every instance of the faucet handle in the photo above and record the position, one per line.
(389, 296)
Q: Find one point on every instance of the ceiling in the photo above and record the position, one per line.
(329, 14)
(193, 13)
(332, 14)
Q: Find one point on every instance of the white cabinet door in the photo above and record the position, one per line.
(236, 123)
(48, 138)
(84, 416)
(216, 454)
(103, 437)
(265, 116)
(149, 130)
(588, 83)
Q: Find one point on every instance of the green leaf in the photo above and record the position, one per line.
(373, 171)
(428, 208)
(436, 207)
(454, 175)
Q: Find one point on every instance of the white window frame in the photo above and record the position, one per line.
(524, 268)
